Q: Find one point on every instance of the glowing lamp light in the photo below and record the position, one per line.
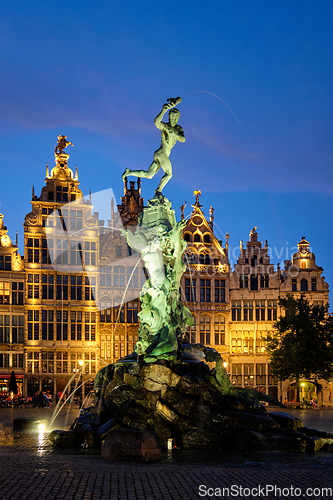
(303, 384)
(225, 364)
(81, 362)
(41, 427)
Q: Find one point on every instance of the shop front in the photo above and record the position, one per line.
(4, 384)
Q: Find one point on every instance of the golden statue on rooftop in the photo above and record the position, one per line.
(62, 144)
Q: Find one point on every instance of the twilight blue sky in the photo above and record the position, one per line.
(260, 149)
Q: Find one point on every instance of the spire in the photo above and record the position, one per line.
(76, 176)
(47, 170)
(227, 241)
(90, 196)
(125, 186)
(16, 243)
(33, 192)
(139, 186)
(182, 208)
(211, 212)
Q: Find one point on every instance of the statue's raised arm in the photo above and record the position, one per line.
(171, 132)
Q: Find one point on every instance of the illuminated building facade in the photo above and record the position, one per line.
(78, 296)
(12, 279)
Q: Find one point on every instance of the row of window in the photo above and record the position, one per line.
(252, 374)
(248, 342)
(304, 285)
(253, 280)
(61, 251)
(16, 292)
(128, 313)
(61, 325)
(61, 362)
(121, 276)
(16, 360)
(254, 310)
(117, 346)
(73, 287)
(11, 329)
(209, 330)
(197, 237)
(5, 262)
(205, 290)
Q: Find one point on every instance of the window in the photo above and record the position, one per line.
(254, 260)
(33, 324)
(197, 238)
(207, 238)
(90, 288)
(33, 249)
(264, 281)
(187, 237)
(47, 325)
(205, 325)
(76, 218)
(219, 326)
(4, 292)
(5, 262)
(272, 379)
(33, 286)
(190, 257)
(62, 287)
(249, 374)
(119, 251)
(17, 360)
(61, 251)
(33, 361)
(62, 324)
(45, 213)
(236, 342)
(236, 374)
(76, 287)
(248, 343)
(313, 284)
(243, 281)
(260, 374)
(90, 253)
(271, 310)
(132, 311)
(190, 335)
(260, 342)
(4, 360)
(47, 253)
(119, 276)
(132, 277)
(219, 290)
(205, 295)
(17, 329)
(247, 310)
(4, 328)
(90, 325)
(254, 282)
(105, 275)
(190, 290)
(304, 285)
(61, 362)
(17, 293)
(294, 285)
(105, 311)
(47, 362)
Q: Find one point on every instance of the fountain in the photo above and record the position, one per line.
(165, 391)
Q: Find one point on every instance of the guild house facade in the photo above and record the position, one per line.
(71, 305)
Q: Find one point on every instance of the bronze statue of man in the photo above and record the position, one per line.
(171, 132)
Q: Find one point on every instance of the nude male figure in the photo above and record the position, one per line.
(170, 134)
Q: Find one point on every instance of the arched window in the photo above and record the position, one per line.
(202, 257)
(219, 327)
(197, 238)
(32, 386)
(207, 238)
(205, 328)
(304, 285)
(190, 257)
(47, 385)
(187, 237)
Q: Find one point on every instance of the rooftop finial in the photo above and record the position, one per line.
(197, 193)
(76, 176)
(47, 170)
(62, 144)
(182, 208)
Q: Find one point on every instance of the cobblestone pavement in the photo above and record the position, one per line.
(30, 469)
